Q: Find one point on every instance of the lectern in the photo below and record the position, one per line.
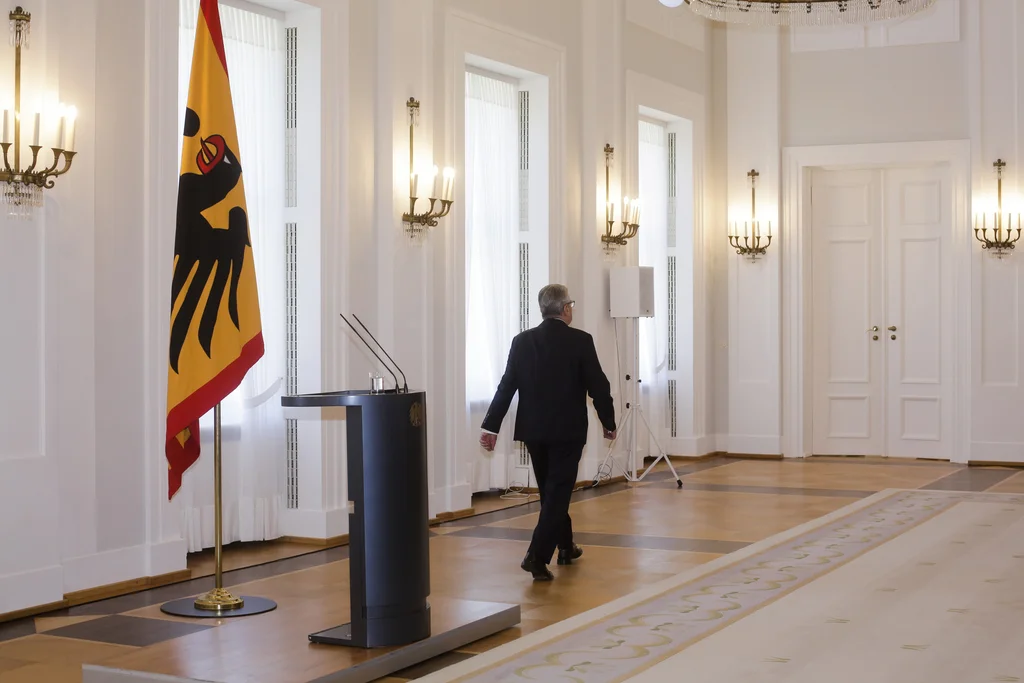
(389, 533)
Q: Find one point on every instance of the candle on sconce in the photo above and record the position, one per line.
(60, 132)
(434, 193)
(35, 132)
(7, 126)
(413, 177)
(449, 184)
(625, 209)
(69, 142)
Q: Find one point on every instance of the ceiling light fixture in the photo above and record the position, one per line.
(804, 12)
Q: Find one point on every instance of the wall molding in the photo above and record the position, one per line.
(796, 306)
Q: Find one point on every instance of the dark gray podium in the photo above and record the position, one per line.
(389, 525)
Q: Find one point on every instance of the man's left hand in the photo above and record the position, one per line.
(488, 440)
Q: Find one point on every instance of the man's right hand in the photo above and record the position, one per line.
(609, 434)
(488, 440)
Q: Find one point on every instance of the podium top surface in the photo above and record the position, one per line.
(346, 398)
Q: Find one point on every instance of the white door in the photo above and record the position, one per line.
(918, 334)
(847, 307)
(881, 334)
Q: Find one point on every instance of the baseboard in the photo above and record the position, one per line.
(998, 453)
(443, 517)
(318, 525)
(996, 463)
(167, 557)
(113, 590)
(23, 591)
(108, 568)
(33, 611)
(751, 445)
(332, 542)
(87, 595)
(692, 447)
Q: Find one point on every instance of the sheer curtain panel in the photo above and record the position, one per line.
(492, 222)
(654, 179)
(253, 427)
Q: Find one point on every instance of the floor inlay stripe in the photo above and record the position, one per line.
(120, 629)
(696, 545)
(767, 490)
(970, 479)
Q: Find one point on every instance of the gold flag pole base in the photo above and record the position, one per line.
(218, 602)
(218, 599)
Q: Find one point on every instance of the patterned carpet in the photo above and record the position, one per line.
(888, 588)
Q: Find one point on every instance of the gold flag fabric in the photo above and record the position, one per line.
(215, 332)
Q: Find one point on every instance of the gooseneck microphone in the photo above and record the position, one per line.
(371, 349)
(405, 385)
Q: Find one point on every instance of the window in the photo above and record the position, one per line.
(507, 247)
(656, 250)
(666, 243)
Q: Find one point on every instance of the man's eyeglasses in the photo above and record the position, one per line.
(571, 304)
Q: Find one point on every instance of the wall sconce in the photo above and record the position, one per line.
(1002, 240)
(630, 209)
(746, 238)
(441, 189)
(23, 191)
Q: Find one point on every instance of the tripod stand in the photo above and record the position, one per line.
(634, 409)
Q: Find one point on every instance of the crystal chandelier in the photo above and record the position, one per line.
(21, 187)
(803, 12)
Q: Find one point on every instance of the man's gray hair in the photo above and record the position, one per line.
(552, 300)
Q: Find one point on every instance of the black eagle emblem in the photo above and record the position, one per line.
(210, 251)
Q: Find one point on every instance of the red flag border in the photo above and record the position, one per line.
(187, 413)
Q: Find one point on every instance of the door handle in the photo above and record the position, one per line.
(874, 329)
(892, 329)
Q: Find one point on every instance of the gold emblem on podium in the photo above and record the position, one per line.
(416, 414)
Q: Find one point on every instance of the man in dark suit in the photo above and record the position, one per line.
(553, 367)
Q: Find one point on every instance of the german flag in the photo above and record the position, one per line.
(215, 334)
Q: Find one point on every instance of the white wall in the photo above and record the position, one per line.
(82, 458)
(995, 62)
(952, 74)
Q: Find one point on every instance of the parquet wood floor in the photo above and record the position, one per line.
(632, 535)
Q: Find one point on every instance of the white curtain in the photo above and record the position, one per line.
(654, 179)
(492, 222)
(253, 427)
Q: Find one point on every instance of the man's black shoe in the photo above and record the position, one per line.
(539, 570)
(567, 555)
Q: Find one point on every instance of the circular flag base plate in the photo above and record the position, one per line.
(186, 607)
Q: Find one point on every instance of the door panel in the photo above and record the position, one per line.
(917, 222)
(846, 300)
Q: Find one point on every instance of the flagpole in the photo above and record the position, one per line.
(191, 385)
(219, 598)
(218, 602)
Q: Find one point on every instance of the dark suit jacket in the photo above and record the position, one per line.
(553, 367)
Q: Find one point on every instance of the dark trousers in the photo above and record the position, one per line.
(555, 466)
